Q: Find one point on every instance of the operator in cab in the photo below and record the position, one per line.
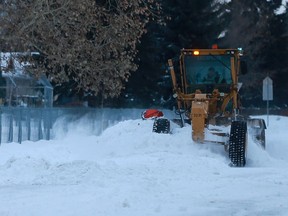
(212, 76)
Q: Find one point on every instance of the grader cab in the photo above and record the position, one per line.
(206, 89)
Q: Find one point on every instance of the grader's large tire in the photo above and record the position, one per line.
(237, 143)
(161, 125)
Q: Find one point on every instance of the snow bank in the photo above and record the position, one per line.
(128, 170)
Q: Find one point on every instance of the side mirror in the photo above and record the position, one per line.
(243, 67)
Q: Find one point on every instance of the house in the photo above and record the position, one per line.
(18, 88)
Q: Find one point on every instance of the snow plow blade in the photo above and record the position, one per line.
(257, 131)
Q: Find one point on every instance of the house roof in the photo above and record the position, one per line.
(11, 65)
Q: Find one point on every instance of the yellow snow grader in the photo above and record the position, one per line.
(206, 90)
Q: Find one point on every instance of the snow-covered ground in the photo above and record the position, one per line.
(130, 171)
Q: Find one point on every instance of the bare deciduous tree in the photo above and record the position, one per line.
(90, 42)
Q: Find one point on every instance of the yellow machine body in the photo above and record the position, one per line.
(207, 99)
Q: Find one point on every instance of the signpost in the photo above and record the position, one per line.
(267, 93)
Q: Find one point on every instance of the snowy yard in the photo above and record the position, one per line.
(130, 171)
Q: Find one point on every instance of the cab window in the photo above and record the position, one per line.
(207, 69)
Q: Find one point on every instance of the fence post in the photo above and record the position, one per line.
(10, 134)
(47, 122)
(19, 125)
(40, 134)
(28, 123)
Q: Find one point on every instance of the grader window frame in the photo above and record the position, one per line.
(195, 66)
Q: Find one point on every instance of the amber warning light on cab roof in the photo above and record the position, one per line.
(196, 52)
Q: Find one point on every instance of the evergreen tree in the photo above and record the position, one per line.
(149, 83)
(193, 24)
(277, 59)
(254, 26)
(189, 24)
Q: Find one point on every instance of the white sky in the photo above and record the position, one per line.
(282, 9)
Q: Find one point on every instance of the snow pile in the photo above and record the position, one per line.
(129, 170)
